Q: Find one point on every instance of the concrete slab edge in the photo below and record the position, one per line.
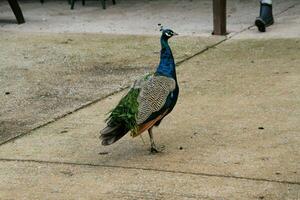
(44, 162)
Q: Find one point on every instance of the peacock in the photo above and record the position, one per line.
(148, 101)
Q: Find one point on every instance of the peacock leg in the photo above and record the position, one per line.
(153, 148)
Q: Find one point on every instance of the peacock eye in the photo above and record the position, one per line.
(167, 34)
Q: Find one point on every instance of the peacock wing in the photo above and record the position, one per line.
(153, 96)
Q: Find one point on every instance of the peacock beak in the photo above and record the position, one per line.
(174, 34)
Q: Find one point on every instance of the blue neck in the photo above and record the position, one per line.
(166, 66)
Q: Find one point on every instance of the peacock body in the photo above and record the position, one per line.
(148, 101)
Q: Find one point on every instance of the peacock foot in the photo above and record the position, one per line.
(154, 149)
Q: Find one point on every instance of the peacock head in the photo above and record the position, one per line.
(167, 33)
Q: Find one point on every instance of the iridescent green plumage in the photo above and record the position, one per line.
(126, 111)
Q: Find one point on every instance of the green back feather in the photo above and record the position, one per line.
(126, 111)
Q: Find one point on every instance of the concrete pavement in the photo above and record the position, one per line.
(215, 146)
(132, 17)
(233, 135)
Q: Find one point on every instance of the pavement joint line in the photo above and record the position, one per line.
(64, 115)
(151, 169)
(202, 51)
(288, 8)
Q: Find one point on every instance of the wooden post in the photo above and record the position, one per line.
(219, 12)
(17, 11)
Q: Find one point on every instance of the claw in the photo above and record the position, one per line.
(154, 149)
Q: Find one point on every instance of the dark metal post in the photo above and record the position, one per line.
(219, 10)
(17, 11)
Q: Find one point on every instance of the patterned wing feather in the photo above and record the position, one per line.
(153, 96)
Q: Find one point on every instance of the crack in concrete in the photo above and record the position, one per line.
(151, 169)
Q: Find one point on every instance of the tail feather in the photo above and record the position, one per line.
(108, 130)
(110, 135)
